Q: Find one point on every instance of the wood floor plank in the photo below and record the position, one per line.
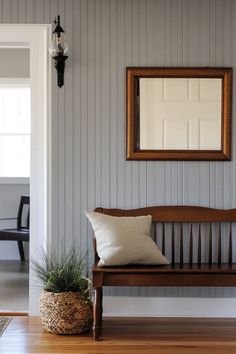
(127, 336)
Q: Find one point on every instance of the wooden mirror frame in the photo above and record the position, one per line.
(133, 74)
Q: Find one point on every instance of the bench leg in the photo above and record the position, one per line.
(97, 313)
(21, 251)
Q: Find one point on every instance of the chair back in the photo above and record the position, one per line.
(24, 202)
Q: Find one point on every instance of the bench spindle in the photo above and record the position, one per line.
(210, 246)
(199, 248)
(181, 246)
(155, 233)
(191, 246)
(219, 244)
(230, 245)
(163, 239)
(173, 245)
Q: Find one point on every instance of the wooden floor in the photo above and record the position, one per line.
(127, 336)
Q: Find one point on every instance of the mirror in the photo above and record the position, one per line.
(179, 113)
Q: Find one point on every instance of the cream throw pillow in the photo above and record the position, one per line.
(124, 240)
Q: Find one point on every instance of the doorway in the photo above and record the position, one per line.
(15, 120)
(36, 38)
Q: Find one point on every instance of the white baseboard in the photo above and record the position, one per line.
(120, 306)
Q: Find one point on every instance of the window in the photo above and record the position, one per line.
(15, 128)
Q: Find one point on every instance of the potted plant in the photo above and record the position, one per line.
(65, 302)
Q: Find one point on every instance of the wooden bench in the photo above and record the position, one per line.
(197, 241)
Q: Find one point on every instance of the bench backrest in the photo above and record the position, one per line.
(188, 232)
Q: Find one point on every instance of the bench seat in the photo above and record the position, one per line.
(179, 275)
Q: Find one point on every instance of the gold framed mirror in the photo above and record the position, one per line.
(178, 113)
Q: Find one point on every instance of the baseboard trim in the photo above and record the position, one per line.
(120, 306)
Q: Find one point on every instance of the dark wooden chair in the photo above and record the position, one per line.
(21, 232)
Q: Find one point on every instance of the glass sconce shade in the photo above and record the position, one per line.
(59, 45)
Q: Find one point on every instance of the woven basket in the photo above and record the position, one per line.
(65, 313)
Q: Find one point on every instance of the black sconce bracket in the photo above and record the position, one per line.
(60, 67)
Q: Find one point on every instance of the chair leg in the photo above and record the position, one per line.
(21, 251)
(97, 313)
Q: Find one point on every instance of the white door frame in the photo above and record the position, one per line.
(36, 37)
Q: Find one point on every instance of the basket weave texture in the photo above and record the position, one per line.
(65, 313)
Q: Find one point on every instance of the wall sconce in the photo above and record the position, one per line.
(59, 50)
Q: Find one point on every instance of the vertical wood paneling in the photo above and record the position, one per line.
(91, 105)
(47, 17)
(1, 11)
(120, 100)
(67, 23)
(38, 10)
(98, 88)
(233, 60)
(14, 12)
(185, 32)
(204, 177)
(167, 28)
(76, 135)
(61, 145)
(129, 42)
(130, 45)
(137, 29)
(105, 102)
(91, 25)
(219, 33)
(204, 28)
(153, 35)
(143, 195)
(228, 33)
(6, 11)
(30, 11)
(180, 33)
(83, 117)
(174, 32)
(212, 30)
(113, 101)
(54, 146)
(227, 61)
(22, 11)
(142, 60)
(193, 26)
(88, 121)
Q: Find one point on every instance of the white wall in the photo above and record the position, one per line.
(88, 119)
(14, 64)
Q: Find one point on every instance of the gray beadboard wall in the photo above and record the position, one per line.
(88, 122)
